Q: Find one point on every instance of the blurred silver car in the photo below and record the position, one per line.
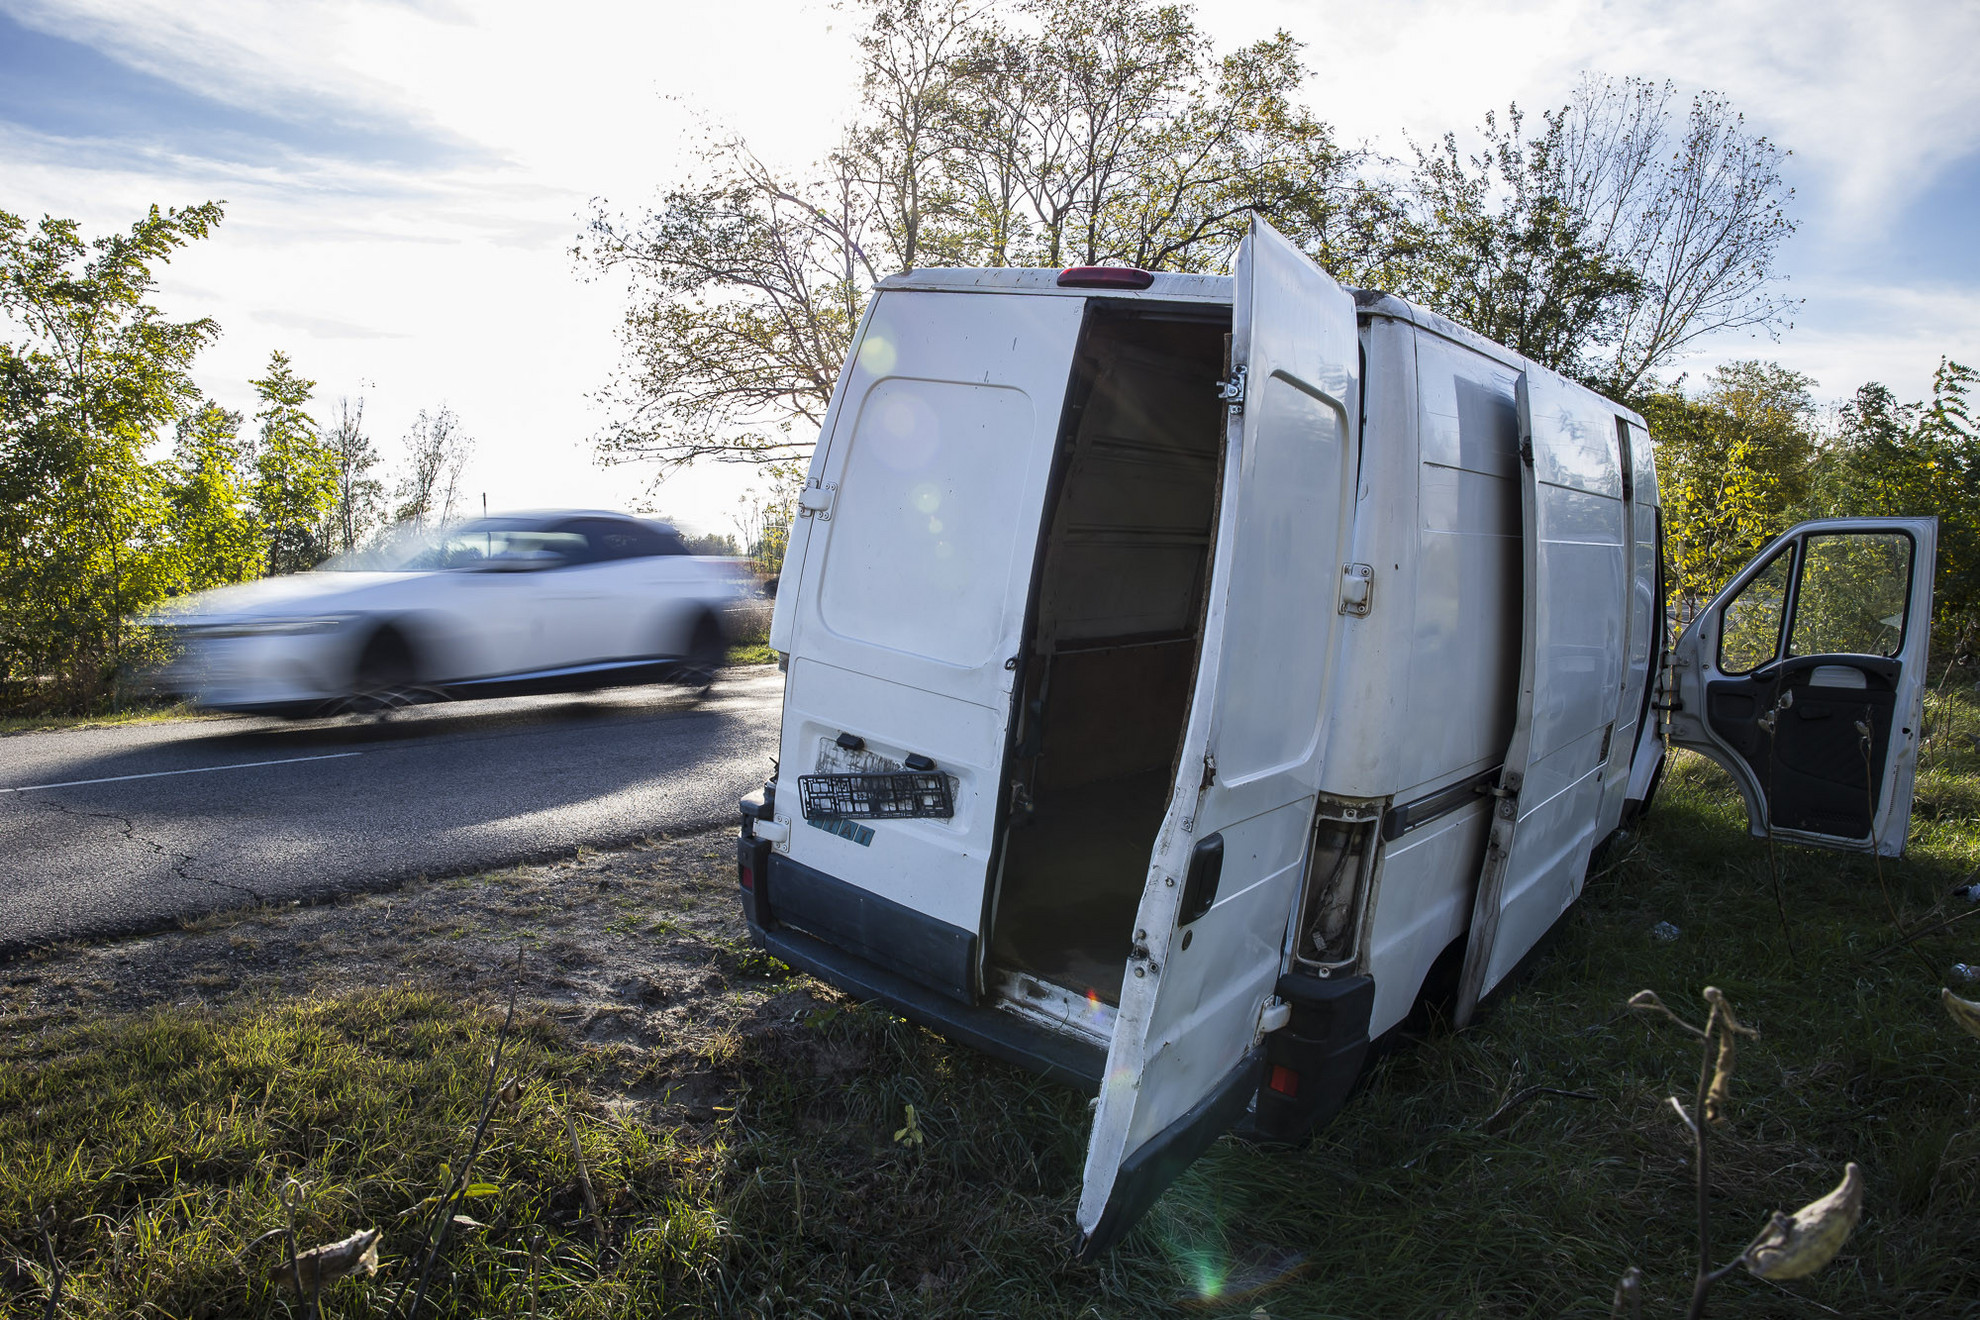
(530, 602)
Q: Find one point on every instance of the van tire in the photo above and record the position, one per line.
(1436, 999)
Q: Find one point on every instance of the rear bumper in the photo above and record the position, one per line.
(876, 950)
(1002, 1035)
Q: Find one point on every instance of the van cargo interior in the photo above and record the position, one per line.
(1113, 650)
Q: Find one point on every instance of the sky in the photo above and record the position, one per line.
(405, 181)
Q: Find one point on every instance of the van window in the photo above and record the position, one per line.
(925, 521)
(1852, 596)
(1750, 635)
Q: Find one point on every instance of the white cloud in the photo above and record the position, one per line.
(1872, 99)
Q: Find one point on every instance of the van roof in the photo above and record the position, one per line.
(1177, 287)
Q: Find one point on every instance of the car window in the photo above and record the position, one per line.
(478, 546)
(623, 538)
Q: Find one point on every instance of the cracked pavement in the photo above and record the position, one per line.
(202, 815)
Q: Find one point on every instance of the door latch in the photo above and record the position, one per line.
(816, 501)
(1357, 588)
(1273, 1014)
(1232, 391)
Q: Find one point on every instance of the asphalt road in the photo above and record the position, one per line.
(115, 830)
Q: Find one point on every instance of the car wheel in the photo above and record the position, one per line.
(707, 649)
(384, 681)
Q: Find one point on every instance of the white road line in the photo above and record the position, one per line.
(197, 770)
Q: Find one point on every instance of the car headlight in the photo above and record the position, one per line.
(321, 623)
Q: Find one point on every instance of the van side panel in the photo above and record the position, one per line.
(1576, 558)
(1463, 670)
(1423, 890)
(1439, 696)
(1428, 680)
(1641, 549)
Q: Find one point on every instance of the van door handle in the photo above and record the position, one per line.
(1206, 868)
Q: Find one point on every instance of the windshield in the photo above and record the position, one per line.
(505, 541)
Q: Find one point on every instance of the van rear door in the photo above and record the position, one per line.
(1575, 542)
(1805, 679)
(1210, 931)
(903, 611)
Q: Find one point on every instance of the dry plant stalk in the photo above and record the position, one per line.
(1790, 1246)
(1793, 1247)
(57, 1275)
(322, 1266)
(584, 1181)
(1963, 1011)
(450, 1199)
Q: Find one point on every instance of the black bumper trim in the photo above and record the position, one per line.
(909, 943)
(1007, 1037)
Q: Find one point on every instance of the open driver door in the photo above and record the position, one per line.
(1805, 680)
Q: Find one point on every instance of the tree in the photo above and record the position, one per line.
(713, 543)
(358, 504)
(1897, 459)
(215, 535)
(1606, 245)
(295, 474)
(1734, 465)
(1057, 132)
(764, 517)
(1505, 253)
(437, 451)
(91, 375)
(1076, 132)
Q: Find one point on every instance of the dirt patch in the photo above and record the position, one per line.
(641, 950)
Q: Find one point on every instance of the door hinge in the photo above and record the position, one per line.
(1209, 770)
(1232, 391)
(1357, 588)
(816, 501)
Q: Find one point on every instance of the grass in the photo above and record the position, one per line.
(157, 1142)
(10, 724)
(752, 653)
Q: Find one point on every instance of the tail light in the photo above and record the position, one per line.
(1105, 277)
(752, 871)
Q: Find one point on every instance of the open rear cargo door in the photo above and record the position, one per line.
(916, 535)
(1574, 626)
(1805, 679)
(1210, 931)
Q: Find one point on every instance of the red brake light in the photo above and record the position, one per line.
(1105, 277)
(1284, 1080)
(748, 877)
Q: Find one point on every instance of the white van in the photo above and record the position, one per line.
(1188, 674)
